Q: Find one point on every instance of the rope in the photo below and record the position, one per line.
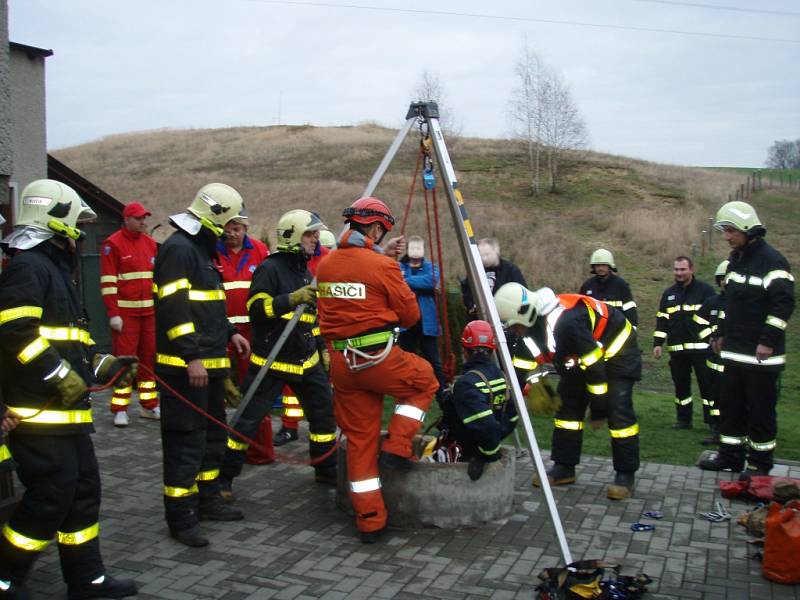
(449, 362)
(411, 191)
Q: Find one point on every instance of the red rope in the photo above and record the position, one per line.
(449, 360)
(411, 192)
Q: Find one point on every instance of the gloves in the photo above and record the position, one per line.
(304, 295)
(115, 323)
(233, 396)
(475, 468)
(325, 356)
(106, 366)
(71, 387)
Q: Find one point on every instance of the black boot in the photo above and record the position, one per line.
(189, 537)
(284, 436)
(370, 537)
(711, 460)
(226, 490)
(14, 591)
(325, 475)
(558, 474)
(215, 509)
(395, 461)
(622, 487)
(108, 588)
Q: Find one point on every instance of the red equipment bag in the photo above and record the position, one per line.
(266, 454)
(782, 543)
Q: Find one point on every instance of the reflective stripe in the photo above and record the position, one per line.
(20, 312)
(625, 432)
(66, 334)
(148, 385)
(208, 363)
(597, 389)
(53, 417)
(239, 319)
(587, 360)
(707, 402)
(660, 334)
(365, 485)
(619, 341)
(714, 412)
(715, 366)
(286, 367)
(752, 360)
(412, 412)
(497, 385)
(531, 346)
(120, 401)
(206, 295)
(476, 416)
(290, 400)
(315, 331)
(108, 291)
(773, 275)
(209, 475)
(629, 305)
(293, 413)
(491, 452)
(521, 363)
(23, 542)
(698, 319)
(32, 350)
(123, 390)
(5, 453)
(236, 285)
(572, 425)
(172, 287)
(148, 395)
(321, 438)
(662, 315)
(732, 440)
(691, 307)
(60, 371)
(179, 330)
(304, 317)
(695, 346)
(672, 309)
(762, 446)
(683, 401)
(371, 339)
(614, 303)
(135, 303)
(776, 322)
(108, 279)
(179, 492)
(79, 537)
(237, 445)
(704, 333)
(268, 310)
(135, 275)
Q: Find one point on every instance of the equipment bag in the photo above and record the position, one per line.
(782, 543)
(586, 579)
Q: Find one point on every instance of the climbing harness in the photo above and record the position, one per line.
(358, 360)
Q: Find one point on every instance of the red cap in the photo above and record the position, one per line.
(134, 209)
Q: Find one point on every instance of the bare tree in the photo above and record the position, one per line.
(784, 154)
(429, 88)
(525, 109)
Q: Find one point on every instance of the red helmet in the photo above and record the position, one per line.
(369, 210)
(478, 334)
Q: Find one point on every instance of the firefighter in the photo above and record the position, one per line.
(126, 283)
(707, 319)
(46, 367)
(674, 326)
(593, 347)
(280, 285)
(363, 300)
(192, 336)
(478, 415)
(759, 300)
(609, 287)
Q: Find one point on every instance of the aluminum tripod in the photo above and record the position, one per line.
(427, 113)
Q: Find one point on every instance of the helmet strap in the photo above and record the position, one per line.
(211, 226)
(65, 230)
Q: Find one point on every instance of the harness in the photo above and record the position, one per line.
(598, 311)
(358, 359)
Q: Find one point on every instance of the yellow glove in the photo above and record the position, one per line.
(71, 386)
(304, 295)
(106, 366)
(325, 356)
(542, 399)
(232, 394)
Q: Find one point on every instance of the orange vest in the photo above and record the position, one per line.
(596, 309)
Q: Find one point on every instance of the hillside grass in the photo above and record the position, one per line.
(645, 213)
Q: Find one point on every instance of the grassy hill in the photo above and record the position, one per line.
(645, 213)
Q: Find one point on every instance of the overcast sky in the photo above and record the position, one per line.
(125, 65)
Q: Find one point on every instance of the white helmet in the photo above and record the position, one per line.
(215, 204)
(517, 305)
(51, 207)
(601, 256)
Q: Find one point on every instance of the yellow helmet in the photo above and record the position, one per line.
(291, 227)
(601, 256)
(722, 268)
(215, 204)
(739, 215)
(52, 207)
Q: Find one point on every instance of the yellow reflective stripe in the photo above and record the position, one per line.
(135, 303)
(695, 346)
(683, 401)
(108, 291)
(691, 307)
(521, 363)
(123, 390)
(587, 360)
(179, 492)
(148, 385)
(321, 438)
(237, 445)
(707, 402)
(206, 295)
(571, 425)
(597, 389)
(714, 412)
(715, 366)
(23, 542)
(779, 274)
(173, 286)
(148, 395)
(120, 400)
(239, 319)
(290, 400)
(315, 331)
(304, 317)
(79, 537)
(294, 413)
(616, 345)
(32, 350)
(662, 315)
(66, 334)
(179, 330)
(625, 432)
(286, 367)
(675, 348)
(209, 475)
(698, 319)
(371, 339)
(704, 333)
(491, 452)
(732, 440)
(776, 322)
(208, 363)
(660, 334)
(673, 309)
(236, 285)
(614, 303)
(752, 360)
(762, 446)
(53, 417)
(20, 312)
(268, 310)
(135, 275)
(108, 279)
(5, 453)
(476, 416)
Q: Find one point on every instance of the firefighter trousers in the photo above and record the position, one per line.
(137, 338)
(622, 425)
(358, 405)
(62, 499)
(749, 421)
(314, 393)
(681, 365)
(192, 448)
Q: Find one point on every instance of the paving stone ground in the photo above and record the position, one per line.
(295, 544)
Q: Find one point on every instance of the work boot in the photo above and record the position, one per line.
(150, 413)
(395, 461)
(13, 591)
(121, 419)
(215, 509)
(107, 587)
(622, 487)
(284, 436)
(558, 474)
(189, 537)
(711, 460)
(681, 425)
(226, 490)
(325, 475)
(370, 537)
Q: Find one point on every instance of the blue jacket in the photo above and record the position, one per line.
(423, 281)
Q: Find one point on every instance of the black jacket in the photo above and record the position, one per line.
(496, 277)
(760, 299)
(191, 318)
(674, 320)
(614, 291)
(707, 320)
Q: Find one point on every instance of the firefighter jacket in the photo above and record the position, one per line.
(614, 291)
(362, 291)
(41, 323)
(674, 324)
(126, 273)
(6, 464)
(496, 277)
(279, 275)
(237, 270)
(759, 291)
(707, 320)
(191, 318)
(424, 281)
(480, 415)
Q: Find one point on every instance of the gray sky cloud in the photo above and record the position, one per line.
(133, 65)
